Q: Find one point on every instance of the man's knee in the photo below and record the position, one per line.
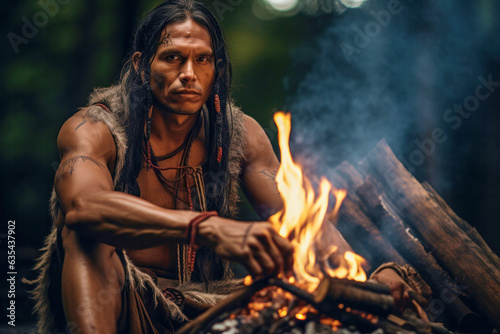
(102, 258)
(96, 269)
(75, 243)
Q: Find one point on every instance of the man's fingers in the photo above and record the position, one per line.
(274, 252)
(286, 249)
(253, 266)
(260, 254)
(260, 248)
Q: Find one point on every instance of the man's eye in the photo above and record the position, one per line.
(205, 59)
(172, 58)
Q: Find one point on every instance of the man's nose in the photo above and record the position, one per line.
(187, 72)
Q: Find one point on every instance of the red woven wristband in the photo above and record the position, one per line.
(193, 225)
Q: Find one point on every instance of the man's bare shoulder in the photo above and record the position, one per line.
(79, 134)
(251, 125)
(257, 144)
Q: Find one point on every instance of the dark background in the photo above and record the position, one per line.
(398, 86)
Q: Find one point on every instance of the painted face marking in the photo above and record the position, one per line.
(165, 41)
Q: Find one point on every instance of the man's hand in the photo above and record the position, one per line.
(256, 245)
(404, 296)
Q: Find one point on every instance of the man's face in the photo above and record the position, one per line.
(183, 70)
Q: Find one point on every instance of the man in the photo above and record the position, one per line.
(135, 163)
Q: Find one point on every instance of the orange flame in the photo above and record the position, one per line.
(303, 214)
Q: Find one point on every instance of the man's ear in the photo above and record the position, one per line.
(136, 57)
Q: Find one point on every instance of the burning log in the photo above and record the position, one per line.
(369, 296)
(353, 221)
(369, 285)
(451, 246)
(330, 299)
(355, 225)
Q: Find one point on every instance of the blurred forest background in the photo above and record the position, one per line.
(347, 83)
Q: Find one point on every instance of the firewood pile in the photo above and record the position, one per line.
(387, 216)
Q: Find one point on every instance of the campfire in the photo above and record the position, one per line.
(301, 219)
(328, 291)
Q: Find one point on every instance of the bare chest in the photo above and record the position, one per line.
(169, 184)
(169, 187)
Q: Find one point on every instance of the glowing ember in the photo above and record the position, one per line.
(283, 312)
(302, 216)
(248, 280)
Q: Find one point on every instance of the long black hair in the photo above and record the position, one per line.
(136, 85)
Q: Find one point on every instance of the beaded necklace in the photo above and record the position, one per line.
(185, 254)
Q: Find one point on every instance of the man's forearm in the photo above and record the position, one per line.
(126, 221)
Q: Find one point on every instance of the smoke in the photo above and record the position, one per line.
(387, 70)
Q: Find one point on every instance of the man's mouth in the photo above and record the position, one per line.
(187, 92)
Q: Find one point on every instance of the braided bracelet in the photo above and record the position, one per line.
(193, 224)
(191, 235)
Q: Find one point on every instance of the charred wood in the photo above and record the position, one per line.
(336, 291)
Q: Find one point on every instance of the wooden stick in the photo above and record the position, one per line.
(233, 301)
(370, 285)
(302, 294)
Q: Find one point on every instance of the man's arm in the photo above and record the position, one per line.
(259, 171)
(90, 206)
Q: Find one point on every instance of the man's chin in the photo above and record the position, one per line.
(182, 110)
